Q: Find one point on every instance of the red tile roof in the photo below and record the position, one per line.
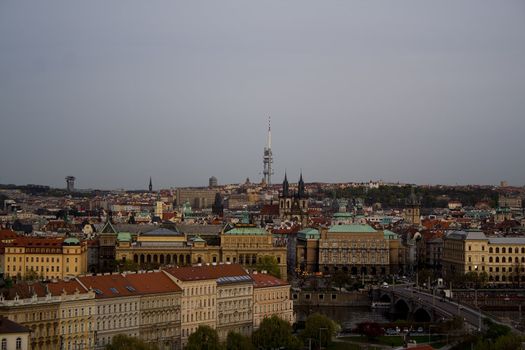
(263, 280)
(24, 290)
(207, 272)
(168, 216)
(70, 287)
(35, 242)
(108, 286)
(7, 234)
(153, 282)
(118, 285)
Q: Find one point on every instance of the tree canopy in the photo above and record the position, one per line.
(124, 342)
(275, 333)
(236, 341)
(269, 263)
(320, 329)
(204, 338)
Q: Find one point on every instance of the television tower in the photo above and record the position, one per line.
(268, 157)
(70, 183)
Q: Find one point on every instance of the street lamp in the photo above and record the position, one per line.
(320, 329)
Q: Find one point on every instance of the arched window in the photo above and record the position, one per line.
(497, 250)
(490, 259)
(18, 343)
(490, 250)
(502, 259)
(4, 344)
(502, 250)
(497, 259)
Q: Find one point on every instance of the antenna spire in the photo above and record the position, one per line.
(268, 157)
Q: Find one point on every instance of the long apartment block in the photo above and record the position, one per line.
(162, 307)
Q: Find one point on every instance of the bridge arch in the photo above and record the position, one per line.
(401, 308)
(385, 298)
(422, 315)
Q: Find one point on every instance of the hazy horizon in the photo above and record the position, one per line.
(115, 92)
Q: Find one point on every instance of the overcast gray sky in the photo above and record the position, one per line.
(114, 92)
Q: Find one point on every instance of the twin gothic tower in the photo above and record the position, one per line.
(293, 206)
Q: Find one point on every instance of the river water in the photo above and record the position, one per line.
(347, 317)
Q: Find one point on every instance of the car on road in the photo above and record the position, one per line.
(420, 329)
(391, 331)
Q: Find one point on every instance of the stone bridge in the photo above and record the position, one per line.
(409, 307)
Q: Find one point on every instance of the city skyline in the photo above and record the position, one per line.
(429, 93)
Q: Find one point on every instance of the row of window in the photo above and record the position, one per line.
(76, 326)
(198, 316)
(39, 259)
(235, 291)
(271, 296)
(18, 344)
(355, 244)
(199, 303)
(122, 307)
(503, 249)
(234, 305)
(320, 296)
(209, 289)
(503, 259)
(276, 306)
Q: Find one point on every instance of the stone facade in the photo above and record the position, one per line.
(45, 257)
(271, 296)
(501, 258)
(357, 249)
(160, 307)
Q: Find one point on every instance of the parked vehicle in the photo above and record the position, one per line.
(391, 331)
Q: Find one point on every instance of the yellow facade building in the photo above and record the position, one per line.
(59, 314)
(501, 258)
(271, 296)
(49, 258)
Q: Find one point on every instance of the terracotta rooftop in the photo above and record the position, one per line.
(207, 272)
(35, 242)
(109, 286)
(24, 290)
(264, 280)
(153, 282)
(70, 287)
(7, 234)
(117, 285)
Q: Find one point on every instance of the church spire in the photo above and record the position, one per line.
(301, 190)
(150, 184)
(286, 186)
